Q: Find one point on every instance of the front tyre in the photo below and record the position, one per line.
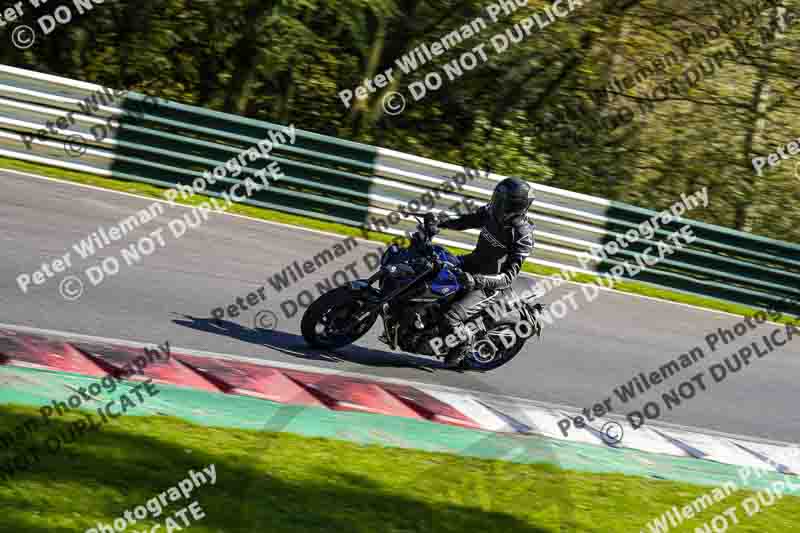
(331, 321)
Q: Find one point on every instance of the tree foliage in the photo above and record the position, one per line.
(575, 105)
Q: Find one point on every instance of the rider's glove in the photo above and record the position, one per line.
(466, 280)
(432, 223)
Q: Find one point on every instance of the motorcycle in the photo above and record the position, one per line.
(411, 291)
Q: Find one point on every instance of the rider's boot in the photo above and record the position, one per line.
(456, 356)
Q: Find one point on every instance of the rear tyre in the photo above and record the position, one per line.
(490, 352)
(330, 321)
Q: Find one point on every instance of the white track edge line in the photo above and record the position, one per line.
(379, 379)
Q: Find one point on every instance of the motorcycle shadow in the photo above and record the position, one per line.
(295, 345)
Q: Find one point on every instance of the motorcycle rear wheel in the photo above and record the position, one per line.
(494, 355)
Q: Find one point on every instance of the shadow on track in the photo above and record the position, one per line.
(295, 345)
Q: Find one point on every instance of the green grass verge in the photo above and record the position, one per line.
(332, 227)
(279, 482)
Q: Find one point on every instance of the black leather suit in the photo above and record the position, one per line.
(495, 262)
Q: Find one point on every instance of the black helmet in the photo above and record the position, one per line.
(512, 197)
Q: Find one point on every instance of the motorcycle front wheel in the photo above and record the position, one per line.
(336, 319)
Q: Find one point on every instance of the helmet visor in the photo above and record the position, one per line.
(506, 206)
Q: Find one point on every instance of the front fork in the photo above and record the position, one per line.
(388, 337)
(377, 299)
(374, 300)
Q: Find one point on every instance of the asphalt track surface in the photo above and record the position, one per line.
(169, 295)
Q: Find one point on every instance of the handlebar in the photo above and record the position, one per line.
(425, 238)
(419, 216)
(424, 221)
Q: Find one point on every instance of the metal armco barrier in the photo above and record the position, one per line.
(350, 183)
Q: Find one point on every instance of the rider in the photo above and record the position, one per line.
(505, 241)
